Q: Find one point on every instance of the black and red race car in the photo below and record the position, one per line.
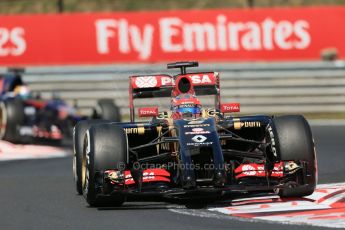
(25, 117)
(189, 152)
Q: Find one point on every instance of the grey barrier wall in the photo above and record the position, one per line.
(303, 87)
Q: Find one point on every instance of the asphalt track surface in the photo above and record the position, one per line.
(40, 194)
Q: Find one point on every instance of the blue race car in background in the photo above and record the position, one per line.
(26, 117)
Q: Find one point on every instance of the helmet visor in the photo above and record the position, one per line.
(194, 110)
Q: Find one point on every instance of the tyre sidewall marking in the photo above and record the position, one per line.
(4, 119)
(273, 141)
(87, 155)
(75, 173)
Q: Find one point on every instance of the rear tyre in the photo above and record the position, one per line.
(294, 142)
(105, 147)
(11, 117)
(78, 142)
(109, 111)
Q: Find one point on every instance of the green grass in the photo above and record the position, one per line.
(50, 6)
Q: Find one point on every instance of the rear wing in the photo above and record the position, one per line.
(154, 86)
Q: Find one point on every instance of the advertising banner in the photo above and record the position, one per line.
(268, 34)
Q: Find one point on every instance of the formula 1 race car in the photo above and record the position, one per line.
(191, 153)
(25, 117)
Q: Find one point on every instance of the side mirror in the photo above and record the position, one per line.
(230, 108)
(148, 112)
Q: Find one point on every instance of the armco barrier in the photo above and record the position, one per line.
(260, 88)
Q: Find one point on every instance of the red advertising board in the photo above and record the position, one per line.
(270, 34)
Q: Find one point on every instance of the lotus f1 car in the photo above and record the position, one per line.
(25, 117)
(191, 153)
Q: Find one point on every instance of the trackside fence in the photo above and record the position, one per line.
(306, 87)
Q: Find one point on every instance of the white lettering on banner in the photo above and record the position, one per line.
(128, 36)
(123, 37)
(267, 28)
(217, 34)
(224, 35)
(301, 28)
(104, 33)
(251, 39)
(12, 41)
(283, 31)
(168, 31)
(199, 37)
(221, 28)
(234, 29)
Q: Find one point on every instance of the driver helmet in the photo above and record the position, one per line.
(186, 106)
(22, 91)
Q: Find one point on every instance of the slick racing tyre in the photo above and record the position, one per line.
(105, 147)
(294, 142)
(11, 117)
(109, 111)
(78, 141)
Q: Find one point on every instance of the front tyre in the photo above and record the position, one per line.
(78, 142)
(294, 142)
(11, 117)
(105, 147)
